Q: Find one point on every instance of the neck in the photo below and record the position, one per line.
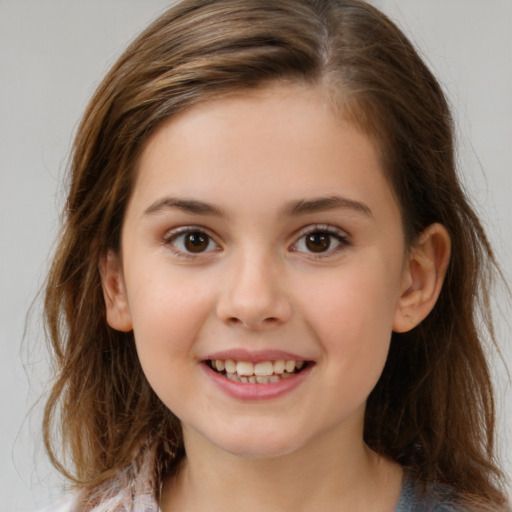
(327, 475)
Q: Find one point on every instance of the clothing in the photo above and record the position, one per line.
(412, 500)
(134, 491)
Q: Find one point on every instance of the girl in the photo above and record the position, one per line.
(267, 290)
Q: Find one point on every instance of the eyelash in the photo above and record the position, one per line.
(171, 238)
(332, 233)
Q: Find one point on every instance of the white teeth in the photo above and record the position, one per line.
(262, 369)
(289, 366)
(230, 366)
(264, 372)
(278, 367)
(244, 368)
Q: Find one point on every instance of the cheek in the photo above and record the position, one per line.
(167, 315)
(357, 298)
(352, 314)
(167, 319)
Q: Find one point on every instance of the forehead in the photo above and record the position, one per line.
(280, 142)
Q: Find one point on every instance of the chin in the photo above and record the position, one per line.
(259, 445)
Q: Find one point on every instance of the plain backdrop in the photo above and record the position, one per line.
(52, 55)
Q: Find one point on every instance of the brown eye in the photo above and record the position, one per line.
(321, 242)
(318, 241)
(191, 241)
(196, 241)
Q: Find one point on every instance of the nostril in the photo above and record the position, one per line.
(253, 324)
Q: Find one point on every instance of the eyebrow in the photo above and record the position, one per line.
(321, 204)
(185, 205)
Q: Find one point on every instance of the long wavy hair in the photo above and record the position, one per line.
(432, 410)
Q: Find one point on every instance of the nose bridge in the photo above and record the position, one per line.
(254, 295)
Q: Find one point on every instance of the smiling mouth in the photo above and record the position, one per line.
(265, 372)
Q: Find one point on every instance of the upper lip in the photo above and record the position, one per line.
(240, 354)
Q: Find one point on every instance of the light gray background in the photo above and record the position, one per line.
(52, 55)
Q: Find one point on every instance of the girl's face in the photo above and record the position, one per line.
(261, 237)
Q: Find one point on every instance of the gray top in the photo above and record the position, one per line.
(412, 499)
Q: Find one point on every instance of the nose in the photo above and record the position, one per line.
(254, 295)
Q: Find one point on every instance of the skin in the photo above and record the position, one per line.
(256, 285)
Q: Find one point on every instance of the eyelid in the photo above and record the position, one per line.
(342, 237)
(171, 235)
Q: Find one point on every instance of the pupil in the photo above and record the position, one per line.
(318, 242)
(196, 242)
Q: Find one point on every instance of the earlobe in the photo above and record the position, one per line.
(423, 277)
(114, 292)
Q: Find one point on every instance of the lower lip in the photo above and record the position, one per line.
(245, 391)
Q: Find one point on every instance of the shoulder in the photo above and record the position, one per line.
(65, 504)
(123, 501)
(132, 488)
(433, 498)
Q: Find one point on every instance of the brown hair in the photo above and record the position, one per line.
(432, 410)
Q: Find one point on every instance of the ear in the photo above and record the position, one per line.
(423, 277)
(114, 292)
